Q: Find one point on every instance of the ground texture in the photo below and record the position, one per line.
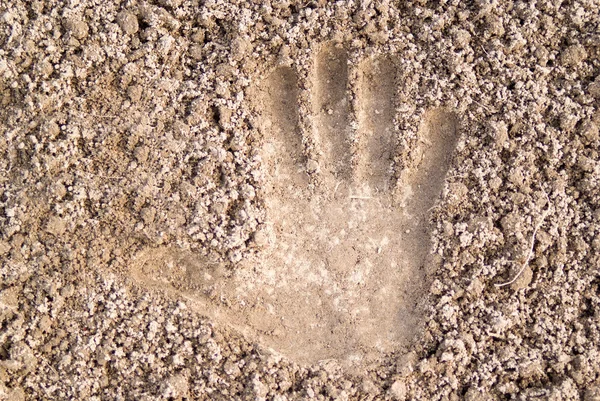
(413, 186)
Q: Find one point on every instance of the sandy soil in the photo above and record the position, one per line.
(207, 200)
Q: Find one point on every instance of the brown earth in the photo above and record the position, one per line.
(299, 200)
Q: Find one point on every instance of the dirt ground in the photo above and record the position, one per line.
(291, 200)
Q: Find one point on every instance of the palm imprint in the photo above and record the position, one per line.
(343, 250)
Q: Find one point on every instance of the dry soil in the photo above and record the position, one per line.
(290, 200)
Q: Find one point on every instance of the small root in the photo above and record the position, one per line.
(530, 253)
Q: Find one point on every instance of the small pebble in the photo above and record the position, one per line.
(128, 22)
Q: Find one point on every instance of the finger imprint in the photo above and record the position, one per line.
(283, 151)
(376, 129)
(331, 108)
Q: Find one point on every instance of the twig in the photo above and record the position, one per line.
(359, 197)
(482, 105)
(530, 253)
(336, 188)
(50, 366)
